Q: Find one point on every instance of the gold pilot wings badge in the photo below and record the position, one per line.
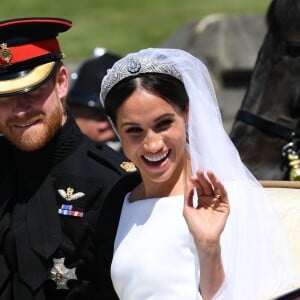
(69, 194)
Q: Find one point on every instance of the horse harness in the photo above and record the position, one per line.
(289, 150)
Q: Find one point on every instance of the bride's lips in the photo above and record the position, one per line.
(156, 159)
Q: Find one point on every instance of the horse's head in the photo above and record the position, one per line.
(269, 117)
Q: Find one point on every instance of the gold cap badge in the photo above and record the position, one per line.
(5, 53)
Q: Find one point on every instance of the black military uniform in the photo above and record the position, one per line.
(50, 198)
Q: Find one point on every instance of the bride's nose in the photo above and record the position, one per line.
(153, 142)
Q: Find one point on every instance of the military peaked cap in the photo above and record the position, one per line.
(29, 52)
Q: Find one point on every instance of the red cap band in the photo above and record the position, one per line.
(25, 52)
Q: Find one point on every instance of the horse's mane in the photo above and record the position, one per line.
(283, 15)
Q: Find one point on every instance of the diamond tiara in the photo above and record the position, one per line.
(128, 67)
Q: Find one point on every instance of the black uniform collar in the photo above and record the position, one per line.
(67, 138)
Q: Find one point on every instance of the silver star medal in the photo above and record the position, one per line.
(61, 274)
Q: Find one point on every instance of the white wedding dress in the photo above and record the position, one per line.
(155, 255)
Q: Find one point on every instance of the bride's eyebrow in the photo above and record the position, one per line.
(167, 115)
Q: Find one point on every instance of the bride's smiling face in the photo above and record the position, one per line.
(152, 132)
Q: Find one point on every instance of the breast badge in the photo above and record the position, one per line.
(61, 274)
(69, 194)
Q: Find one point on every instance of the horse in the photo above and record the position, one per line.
(266, 129)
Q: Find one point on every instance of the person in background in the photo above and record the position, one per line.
(83, 98)
(198, 225)
(53, 179)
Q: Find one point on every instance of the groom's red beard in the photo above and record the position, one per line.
(35, 136)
